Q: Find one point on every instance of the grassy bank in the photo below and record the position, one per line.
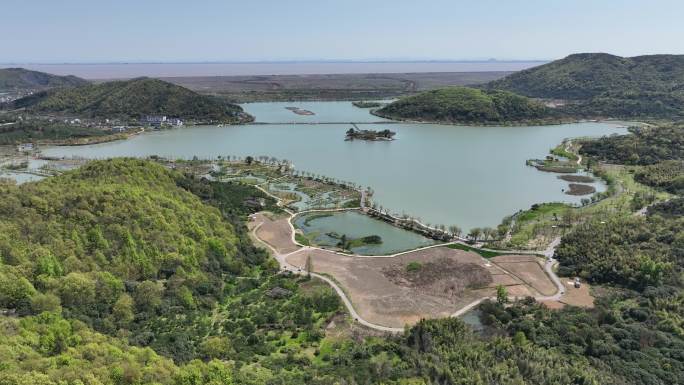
(483, 253)
(536, 227)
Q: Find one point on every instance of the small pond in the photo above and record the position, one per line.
(20, 177)
(325, 229)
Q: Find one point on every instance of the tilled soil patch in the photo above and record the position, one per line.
(444, 277)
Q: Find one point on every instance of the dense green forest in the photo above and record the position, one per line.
(131, 99)
(671, 209)
(20, 79)
(127, 272)
(647, 145)
(587, 85)
(636, 331)
(603, 85)
(636, 264)
(42, 130)
(633, 252)
(123, 248)
(124, 272)
(667, 175)
(466, 105)
(587, 75)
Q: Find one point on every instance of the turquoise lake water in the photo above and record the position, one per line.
(468, 176)
(356, 225)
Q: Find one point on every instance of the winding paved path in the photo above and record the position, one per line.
(285, 266)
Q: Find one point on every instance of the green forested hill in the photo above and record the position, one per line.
(635, 265)
(646, 145)
(465, 105)
(85, 236)
(132, 99)
(20, 79)
(606, 85)
(117, 273)
(589, 85)
(586, 75)
(125, 272)
(119, 248)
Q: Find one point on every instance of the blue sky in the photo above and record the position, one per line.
(229, 30)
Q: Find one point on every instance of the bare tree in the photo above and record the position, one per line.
(475, 233)
(455, 230)
(308, 266)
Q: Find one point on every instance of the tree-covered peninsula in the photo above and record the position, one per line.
(130, 99)
(466, 105)
(580, 86)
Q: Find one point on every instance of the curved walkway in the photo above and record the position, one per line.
(286, 266)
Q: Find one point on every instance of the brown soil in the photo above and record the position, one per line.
(557, 169)
(275, 232)
(380, 300)
(577, 178)
(444, 277)
(580, 189)
(528, 269)
(375, 297)
(577, 296)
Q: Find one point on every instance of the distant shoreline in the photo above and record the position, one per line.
(100, 71)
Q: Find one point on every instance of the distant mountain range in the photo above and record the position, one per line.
(586, 85)
(131, 99)
(20, 79)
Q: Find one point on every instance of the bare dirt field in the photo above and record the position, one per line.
(528, 269)
(385, 301)
(573, 296)
(274, 231)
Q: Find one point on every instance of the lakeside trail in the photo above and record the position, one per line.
(568, 148)
(285, 266)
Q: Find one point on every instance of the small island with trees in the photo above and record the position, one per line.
(372, 135)
(367, 104)
(300, 111)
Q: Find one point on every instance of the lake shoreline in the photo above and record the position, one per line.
(496, 156)
(550, 122)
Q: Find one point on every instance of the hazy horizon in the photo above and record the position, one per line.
(105, 71)
(291, 61)
(174, 31)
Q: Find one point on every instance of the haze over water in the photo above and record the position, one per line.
(131, 70)
(469, 176)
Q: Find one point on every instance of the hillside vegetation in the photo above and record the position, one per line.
(465, 105)
(20, 79)
(587, 85)
(645, 145)
(667, 175)
(41, 130)
(91, 236)
(599, 84)
(634, 264)
(125, 272)
(132, 99)
(118, 273)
